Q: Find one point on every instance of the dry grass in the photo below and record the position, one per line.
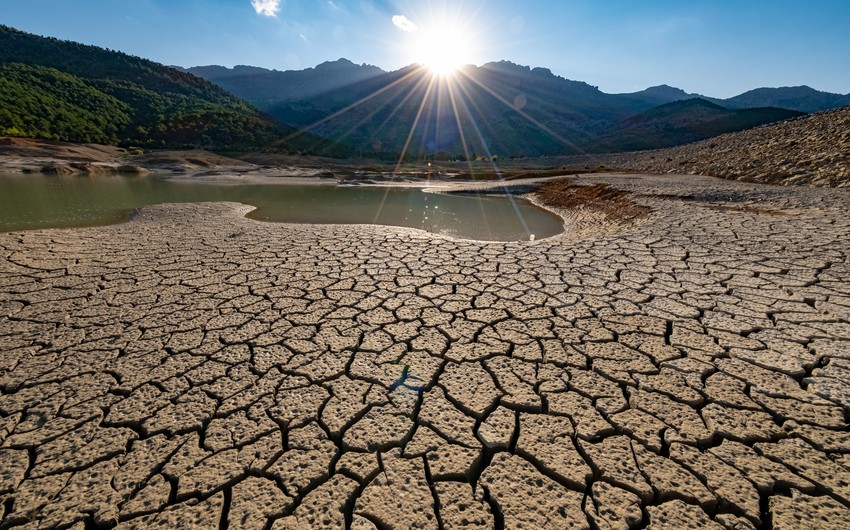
(616, 205)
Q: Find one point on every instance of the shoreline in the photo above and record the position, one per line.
(577, 222)
(440, 186)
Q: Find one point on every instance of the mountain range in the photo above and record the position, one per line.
(54, 89)
(800, 98)
(499, 108)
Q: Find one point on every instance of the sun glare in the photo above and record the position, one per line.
(443, 49)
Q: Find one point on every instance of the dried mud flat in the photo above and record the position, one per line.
(193, 368)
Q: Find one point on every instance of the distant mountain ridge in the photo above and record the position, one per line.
(264, 88)
(663, 94)
(501, 109)
(801, 98)
(504, 108)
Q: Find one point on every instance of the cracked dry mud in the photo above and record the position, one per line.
(193, 368)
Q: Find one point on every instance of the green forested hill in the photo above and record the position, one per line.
(63, 90)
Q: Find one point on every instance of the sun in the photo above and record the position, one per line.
(443, 49)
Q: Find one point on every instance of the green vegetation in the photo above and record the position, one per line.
(62, 90)
(46, 103)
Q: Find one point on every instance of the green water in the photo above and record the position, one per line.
(47, 201)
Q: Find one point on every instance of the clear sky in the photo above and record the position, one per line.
(717, 48)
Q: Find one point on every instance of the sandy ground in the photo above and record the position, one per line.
(194, 368)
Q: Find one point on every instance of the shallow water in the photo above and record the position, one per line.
(48, 201)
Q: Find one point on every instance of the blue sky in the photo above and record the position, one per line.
(718, 48)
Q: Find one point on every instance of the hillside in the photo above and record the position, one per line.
(61, 90)
(682, 122)
(812, 150)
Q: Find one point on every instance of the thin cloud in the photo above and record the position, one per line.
(268, 8)
(403, 23)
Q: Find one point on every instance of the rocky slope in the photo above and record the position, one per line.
(812, 150)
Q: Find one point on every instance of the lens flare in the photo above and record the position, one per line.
(443, 49)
